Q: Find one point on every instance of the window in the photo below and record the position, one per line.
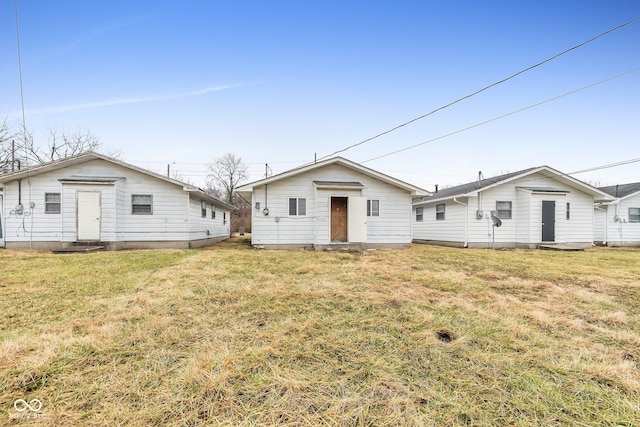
(634, 214)
(224, 217)
(568, 210)
(203, 209)
(52, 203)
(419, 214)
(297, 206)
(141, 204)
(213, 212)
(503, 210)
(440, 212)
(373, 207)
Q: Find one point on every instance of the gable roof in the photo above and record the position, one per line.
(412, 189)
(92, 155)
(473, 188)
(622, 191)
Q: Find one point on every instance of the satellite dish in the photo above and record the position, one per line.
(497, 222)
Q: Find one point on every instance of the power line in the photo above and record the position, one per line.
(504, 115)
(610, 165)
(24, 122)
(484, 88)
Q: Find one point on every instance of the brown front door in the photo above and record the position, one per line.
(338, 219)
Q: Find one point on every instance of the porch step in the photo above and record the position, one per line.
(562, 247)
(78, 249)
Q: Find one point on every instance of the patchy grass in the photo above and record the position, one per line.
(234, 336)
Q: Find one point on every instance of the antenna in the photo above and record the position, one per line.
(497, 222)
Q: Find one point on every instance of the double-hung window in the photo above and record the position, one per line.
(373, 207)
(634, 214)
(213, 212)
(568, 210)
(440, 211)
(503, 210)
(297, 206)
(141, 204)
(203, 209)
(419, 214)
(52, 203)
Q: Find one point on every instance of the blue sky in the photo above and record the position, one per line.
(278, 81)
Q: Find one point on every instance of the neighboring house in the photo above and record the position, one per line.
(617, 223)
(330, 203)
(535, 206)
(92, 198)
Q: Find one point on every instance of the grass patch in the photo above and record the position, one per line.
(233, 336)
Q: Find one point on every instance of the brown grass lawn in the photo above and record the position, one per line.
(235, 336)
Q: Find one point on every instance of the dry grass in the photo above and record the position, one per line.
(234, 336)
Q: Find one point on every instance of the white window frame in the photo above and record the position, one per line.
(372, 209)
(133, 204)
(441, 215)
(502, 213)
(297, 206)
(213, 212)
(635, 216)
(419, 214)
(49, 205)
(568, 215)
(203, 209)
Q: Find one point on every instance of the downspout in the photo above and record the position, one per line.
(606, 231)
(466, 222)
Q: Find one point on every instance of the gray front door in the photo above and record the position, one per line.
(548, 221)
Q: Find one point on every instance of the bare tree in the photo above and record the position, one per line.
(22, 145)
(5, 147)
(226, 173)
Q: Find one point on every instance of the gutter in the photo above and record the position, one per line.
(466, 222)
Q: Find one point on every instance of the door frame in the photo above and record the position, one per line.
(78, 238)
(346, 222)
(545, 225)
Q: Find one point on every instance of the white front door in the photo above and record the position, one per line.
(89, 215)
(357, 212)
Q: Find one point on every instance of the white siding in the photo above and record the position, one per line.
(525, 225)
(172, 218)
(623, 232)
(450, 229)
(599, 224)
(392, 226)
(207, 227)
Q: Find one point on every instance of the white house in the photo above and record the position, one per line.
(330, 203)
(535, 206)
(617, 223)
(92, 198)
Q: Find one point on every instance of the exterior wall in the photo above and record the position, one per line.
(206, 228)
(524, 228)
(172, 220)
(451, 229)
(623, 232)
(600, 224)
(68, 217)
(393, 226)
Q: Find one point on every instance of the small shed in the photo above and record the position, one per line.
(328, 204)
(539, 205)
(91, 198)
